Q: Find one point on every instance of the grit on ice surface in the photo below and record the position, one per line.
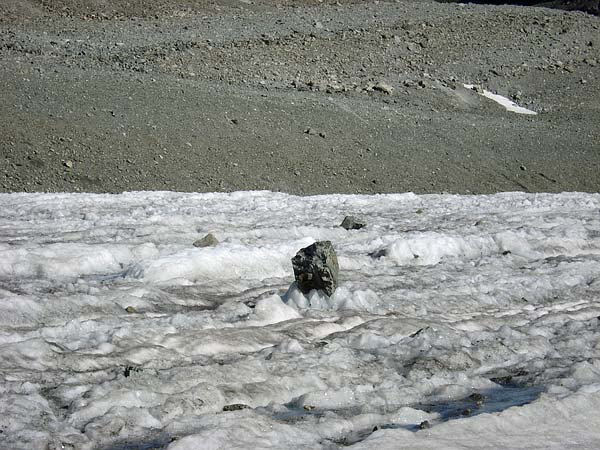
(477, 314)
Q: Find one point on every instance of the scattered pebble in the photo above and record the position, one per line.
(235, 407)
(207, 241)
(413, 47)
(353, 223)
(383, 87)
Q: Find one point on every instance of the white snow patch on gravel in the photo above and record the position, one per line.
(508, 104)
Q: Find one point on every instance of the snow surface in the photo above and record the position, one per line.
(477, 314)
(508, 104)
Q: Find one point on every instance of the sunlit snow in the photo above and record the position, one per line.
(509, 105)
(460, 322)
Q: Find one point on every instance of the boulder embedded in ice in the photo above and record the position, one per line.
(207, 241)
(353, 223)
(316, 267)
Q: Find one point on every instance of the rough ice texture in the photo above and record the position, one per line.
(116, 333)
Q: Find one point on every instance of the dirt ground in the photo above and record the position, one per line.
(305, 97)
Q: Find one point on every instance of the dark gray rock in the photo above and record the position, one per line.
(353, 223)
(235, 407)
(478, 398)
(424, 425)
(316, 267)
(207, 241)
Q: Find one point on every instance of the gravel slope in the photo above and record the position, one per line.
(303, 97)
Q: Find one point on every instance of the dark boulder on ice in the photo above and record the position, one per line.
(207, 241)
(353, 223)
(316, 267)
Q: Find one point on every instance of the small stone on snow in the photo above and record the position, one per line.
(207, 241)
(353, 223)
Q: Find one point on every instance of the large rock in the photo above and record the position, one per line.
(316, 267)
